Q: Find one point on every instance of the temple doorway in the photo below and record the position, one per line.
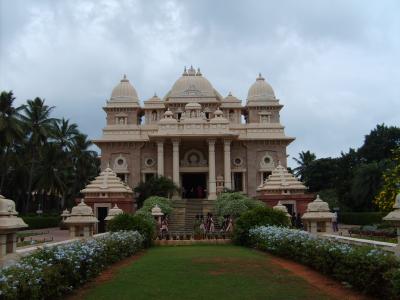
(101, 215)
(194, 185)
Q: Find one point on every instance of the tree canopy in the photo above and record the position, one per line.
(43, 160)
(354, 179)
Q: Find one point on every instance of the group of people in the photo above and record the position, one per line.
(198, 192)
(162, 225)
(207, 224)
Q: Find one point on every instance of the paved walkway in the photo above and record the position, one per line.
(53, 234)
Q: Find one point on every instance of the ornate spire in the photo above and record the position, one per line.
(184, 72)
(260, 77)
(198, 72)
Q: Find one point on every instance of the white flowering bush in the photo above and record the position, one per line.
(368, 269)
(51, 272)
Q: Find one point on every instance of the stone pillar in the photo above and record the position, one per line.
(313, 227)
(175, 161)
(3, 245)
(72, 232)
(12, 242)
(160, 158)
(212, 188)
(86, 231)
(227, 164)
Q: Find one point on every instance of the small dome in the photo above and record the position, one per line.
(261, 90)
(8, 216)
(124, 91)
(318, 206)
(156, 211)
(192, 84)
(282, 208)
(81, 214)
(81, 210)
(168, 118)
(65, 213)
(113, 212)
(394, 216)
(219, 118)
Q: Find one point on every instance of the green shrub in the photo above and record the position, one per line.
(51, 272)
(158, 186)
(368, 269)
(259, 216)
(360, 218)
(164, 203)
(39, 222)
(143, 223)
(234, 204)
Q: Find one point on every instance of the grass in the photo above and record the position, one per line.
(204, 272)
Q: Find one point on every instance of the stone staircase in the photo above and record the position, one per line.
(193, 207)
(184, 214)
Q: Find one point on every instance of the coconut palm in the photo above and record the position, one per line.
(64, 133)
(304, 161)
(10, 131)
(39, 127)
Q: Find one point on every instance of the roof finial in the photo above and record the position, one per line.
(124, 76)
(198, 72)
(155, 95)
(260, 77)
(230, 94)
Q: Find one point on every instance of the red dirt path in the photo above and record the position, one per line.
(327, 285)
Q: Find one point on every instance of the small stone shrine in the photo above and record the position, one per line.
(9, 225)
(81, 221)
(318, 218)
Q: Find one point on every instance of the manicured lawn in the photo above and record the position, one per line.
(204, 272)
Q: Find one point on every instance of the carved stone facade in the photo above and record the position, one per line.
(194, 136)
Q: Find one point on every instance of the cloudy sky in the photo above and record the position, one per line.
(335, 65)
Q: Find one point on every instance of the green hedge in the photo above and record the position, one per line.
(52, 272)
(370, 270)
(39, 222)
(361, 218)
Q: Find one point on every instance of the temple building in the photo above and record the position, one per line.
(194, 136)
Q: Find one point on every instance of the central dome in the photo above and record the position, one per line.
(192, 84)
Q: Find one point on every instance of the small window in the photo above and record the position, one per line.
(267, 160)
(120, 161)
(179, 116)
(238, 181)
(207, 114)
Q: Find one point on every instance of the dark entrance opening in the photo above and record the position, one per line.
(194, 185)
(101, 215)
(290, 208)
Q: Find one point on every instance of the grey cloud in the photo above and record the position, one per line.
(333, 64)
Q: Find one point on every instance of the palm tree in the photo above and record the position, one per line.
(10, 131)
(86, 164)
(304, 161)
(64, 133)
(39, 127)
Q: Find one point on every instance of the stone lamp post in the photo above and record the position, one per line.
(394, 218)
(9, 225)
(157, 214)
(81, 221)
(65, 214)
(318, 218)
(113, 212)
(282, 208)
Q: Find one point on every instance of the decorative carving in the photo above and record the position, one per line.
(267, 162)
(193, 158)
(120, 163)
